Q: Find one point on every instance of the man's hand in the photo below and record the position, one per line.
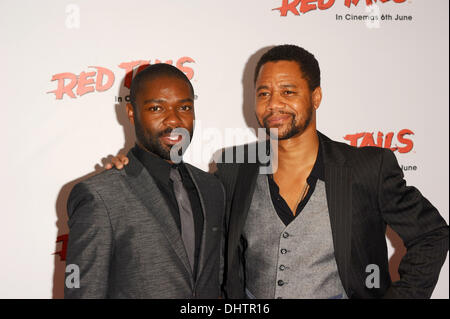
(117, 161)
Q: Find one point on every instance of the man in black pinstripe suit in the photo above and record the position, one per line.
(269, 256)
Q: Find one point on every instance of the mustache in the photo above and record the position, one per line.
(165, 132)
(277, 113)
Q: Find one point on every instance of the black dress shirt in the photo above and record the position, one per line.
(280, 205)
(159, 169)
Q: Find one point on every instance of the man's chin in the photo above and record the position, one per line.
(164, 152)
(159, 150)
(277, 131)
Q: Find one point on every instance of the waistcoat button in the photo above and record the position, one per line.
(285, 235)
(280, 282)
(283, 251)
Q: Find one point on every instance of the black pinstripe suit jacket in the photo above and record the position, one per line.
(365, 192)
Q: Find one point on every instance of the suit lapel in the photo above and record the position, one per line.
(148, 192)
(338, 184)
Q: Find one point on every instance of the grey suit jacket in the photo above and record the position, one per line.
(126, 244)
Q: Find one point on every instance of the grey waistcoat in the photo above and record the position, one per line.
(296, 261)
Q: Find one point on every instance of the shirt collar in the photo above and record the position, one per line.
(318, 169)
(155, 165)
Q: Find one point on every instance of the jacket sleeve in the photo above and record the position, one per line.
(223, 246)
(233, 285)
(421, 227)
(90, 244)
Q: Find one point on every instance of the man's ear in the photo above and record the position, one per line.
(316, 97)
(130, 113)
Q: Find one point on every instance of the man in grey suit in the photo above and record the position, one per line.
(152, 230)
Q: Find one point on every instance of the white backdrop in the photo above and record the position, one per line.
(380, 76)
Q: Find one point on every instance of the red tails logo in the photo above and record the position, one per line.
(302, 6)
(141, 64)
(367, 139)
(101, 79)
(84, 82)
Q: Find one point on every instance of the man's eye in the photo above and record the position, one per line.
(263, 94)
(155, 108)
(186, 108)
(287, 92)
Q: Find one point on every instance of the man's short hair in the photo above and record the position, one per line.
(152, 72)
(308, 64)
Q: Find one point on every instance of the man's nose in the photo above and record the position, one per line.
(172, 118)
(275, 103)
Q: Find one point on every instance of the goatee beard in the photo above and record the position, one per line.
(153, 144)
(293, 129)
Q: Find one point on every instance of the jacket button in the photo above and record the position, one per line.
(285, 235)
(282, 267)
(283, 251)
(280, 282)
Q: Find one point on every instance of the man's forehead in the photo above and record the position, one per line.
(281, 67)
(166, 80)
(165, 84)
(280, 75)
